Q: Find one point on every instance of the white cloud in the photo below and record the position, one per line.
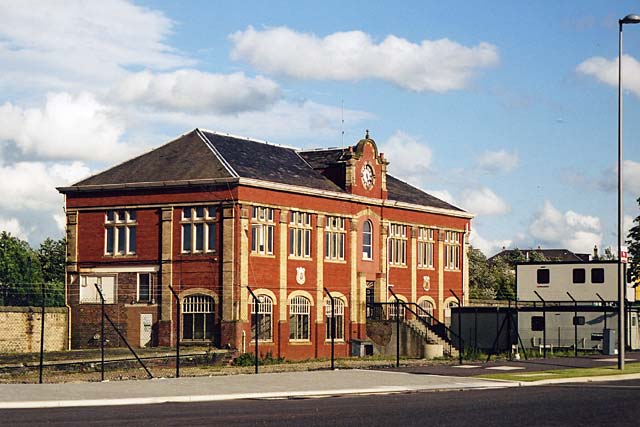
(488, 247)
(13, 226)
(287, 122)
(498, 161)
(483, 201)
(66, 127)
(439, 65)
(31, 185)
(570, 230)
(63, 42)
(606, 71)
(409, 159)
(192, 90)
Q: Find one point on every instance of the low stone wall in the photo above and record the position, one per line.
(383, 335)
(20, 329)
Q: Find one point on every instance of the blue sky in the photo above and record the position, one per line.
(505, 109)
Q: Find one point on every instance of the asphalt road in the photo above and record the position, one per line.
(593, 404)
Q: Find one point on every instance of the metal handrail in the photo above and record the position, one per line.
(447, 337)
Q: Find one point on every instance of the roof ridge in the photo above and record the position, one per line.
(246, 138)
(216, 153)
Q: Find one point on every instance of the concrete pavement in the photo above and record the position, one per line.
(261, 386)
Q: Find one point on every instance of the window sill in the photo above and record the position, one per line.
(300, 342)
(451, 270)
(367, 259)
(335, 261)
(339, 341)
(298, 258)
(131, 255)
(426, 268)
(402, 266)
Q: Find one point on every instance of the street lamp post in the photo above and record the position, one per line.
(629, 19)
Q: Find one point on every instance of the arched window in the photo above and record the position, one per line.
(265, 315)
(426, 310)
(392, 308)
(367, 240)
(299, 313)
(338, 313)
(197, 317)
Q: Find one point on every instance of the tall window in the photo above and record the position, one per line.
(299, 313)
(334, 238)
(425, 247)
(197, 317)
(262, 227)
(198, 229)
(120, 232)
(338, 313)
(452, 250)
(300, 235)
(426, 311)
(264, 309)
(367, 240)
(398, 244)
(144, 287)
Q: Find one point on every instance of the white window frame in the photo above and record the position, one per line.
(262, 230)
(397, 245)
(367, 248)
(192, 222)
(335, 237)
(427, 306)
(300, 234)
(300, 319)
(265, 311)
(88, 293)
(125, 221)
(452, 250)
(151, 296)
(198, 304)
(338, 311)
(426, 246)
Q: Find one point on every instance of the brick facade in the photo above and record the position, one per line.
(218, 280)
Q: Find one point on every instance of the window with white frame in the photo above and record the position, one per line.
(452, 250)
(144, 293)
(425, 247)
(426, 310)
(198, 229)
(367, 240)
(299, 319)
(197, 317)
(264, 309)
(120, 232)
(394, 308)
(398, 244)
(334, 238)
(338, 314)
(90, 295)
(300, 235)
(262, 227)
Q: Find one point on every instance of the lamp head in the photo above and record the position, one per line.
(630, 19)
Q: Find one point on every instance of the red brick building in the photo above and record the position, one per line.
(210, 215)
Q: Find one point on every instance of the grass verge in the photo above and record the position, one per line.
(630, 368)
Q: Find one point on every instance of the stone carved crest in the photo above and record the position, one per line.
(426, 283)
(300, 277)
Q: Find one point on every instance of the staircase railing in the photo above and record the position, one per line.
(377, 312)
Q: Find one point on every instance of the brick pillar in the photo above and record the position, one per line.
(165, 327)
(228, 312)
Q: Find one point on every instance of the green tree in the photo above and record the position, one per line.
(52, 255)
(20, 272)
(633, 243)
(481, 282)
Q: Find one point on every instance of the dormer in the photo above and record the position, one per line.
(359, 169)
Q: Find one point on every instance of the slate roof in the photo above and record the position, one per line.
(204, 155)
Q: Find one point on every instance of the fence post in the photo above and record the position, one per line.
(544, 320)
(460, 345)
(177, 330)
(333, 329)
(42, 335)
(255, 322)
(101, 332)
(575, 325)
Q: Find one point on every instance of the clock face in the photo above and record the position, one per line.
(367, 176)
